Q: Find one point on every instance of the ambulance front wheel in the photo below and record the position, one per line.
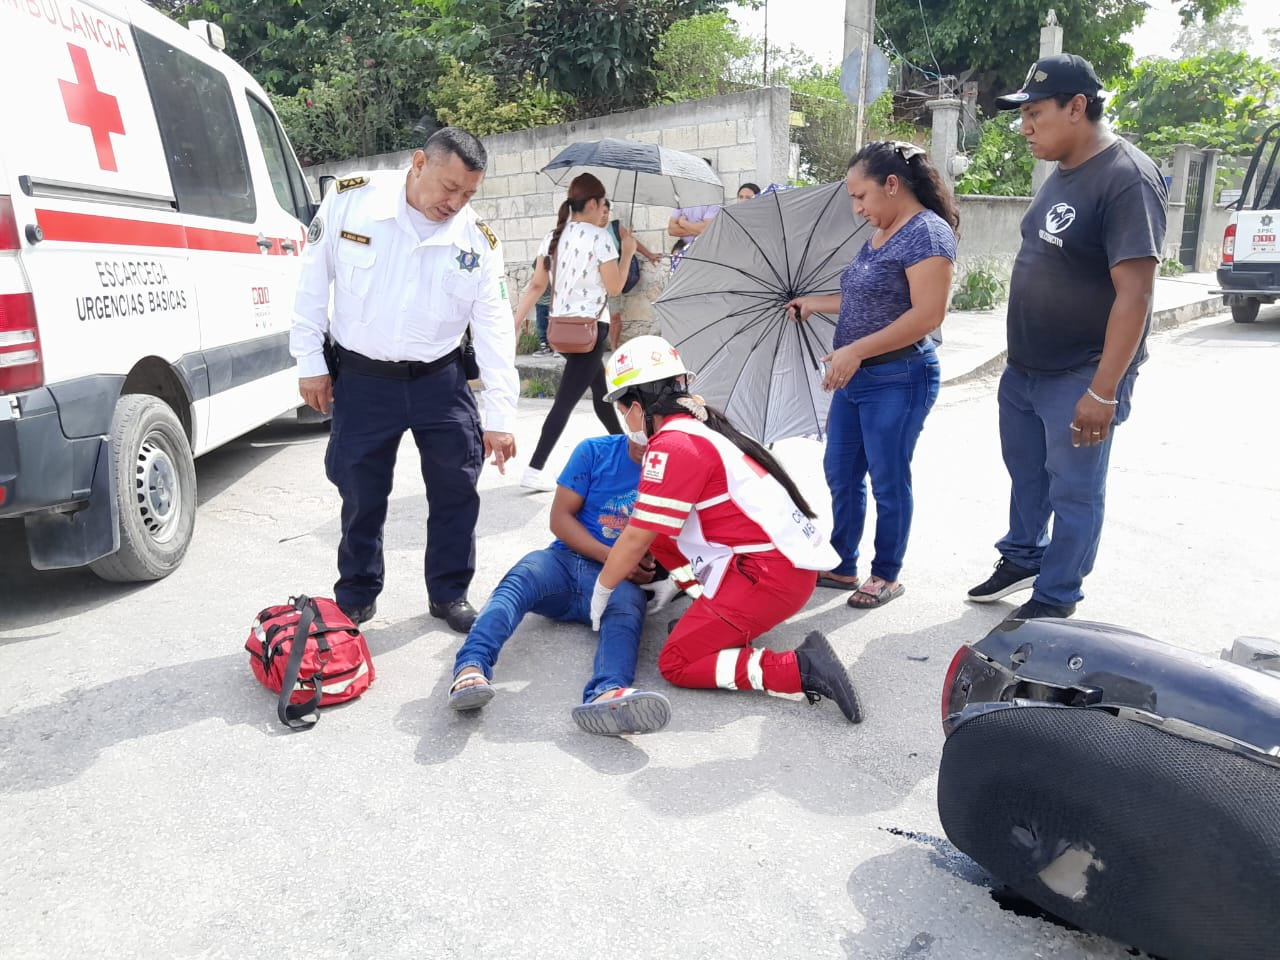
(155, 490)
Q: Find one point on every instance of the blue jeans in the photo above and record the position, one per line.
(542, 314)
(558, 584)
(1051, 477)
(873, 427)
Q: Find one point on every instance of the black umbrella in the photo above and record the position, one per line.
(723, 309)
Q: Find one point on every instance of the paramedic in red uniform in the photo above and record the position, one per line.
(411, 267)
(717, 510)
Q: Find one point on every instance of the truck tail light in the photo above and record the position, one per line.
(21, 366)
(1229, 244)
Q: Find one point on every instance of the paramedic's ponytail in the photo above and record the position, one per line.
(671, 397)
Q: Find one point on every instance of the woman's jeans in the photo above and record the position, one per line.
(1051, 477)
(873, 426)
(558, 584)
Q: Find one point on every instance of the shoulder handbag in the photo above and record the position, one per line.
(570, 334)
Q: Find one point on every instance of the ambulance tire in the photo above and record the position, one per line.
(155, 491)
(1246, 312)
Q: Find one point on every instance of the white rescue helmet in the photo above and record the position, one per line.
(646, 359)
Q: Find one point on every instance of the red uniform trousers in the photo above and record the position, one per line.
(710, 646)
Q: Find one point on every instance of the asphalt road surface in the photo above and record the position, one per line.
(153, 806)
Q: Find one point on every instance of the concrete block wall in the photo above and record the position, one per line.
(744, 135)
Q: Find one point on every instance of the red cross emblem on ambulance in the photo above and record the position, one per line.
(90, 107)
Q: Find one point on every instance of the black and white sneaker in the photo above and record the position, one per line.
(1008, 578)
(823, 675)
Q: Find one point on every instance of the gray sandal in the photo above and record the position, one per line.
(474, 695)
(624, 711)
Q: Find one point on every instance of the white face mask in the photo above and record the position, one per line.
(635, 436)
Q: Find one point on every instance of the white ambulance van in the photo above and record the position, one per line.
(152, 214)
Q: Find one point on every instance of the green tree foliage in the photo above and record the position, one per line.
(468, 98)
(600, 52)
(1222, 99)
(998, 39)
(703, 56)
(1001, 164)
(1225, 32)
(360, 76)
(354, 107)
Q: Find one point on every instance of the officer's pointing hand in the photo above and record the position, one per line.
(317, 392)
(502, 446)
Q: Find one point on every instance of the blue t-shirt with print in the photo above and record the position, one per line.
(601, 471)
(873, 289)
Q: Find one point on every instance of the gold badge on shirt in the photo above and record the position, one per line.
(357, 237)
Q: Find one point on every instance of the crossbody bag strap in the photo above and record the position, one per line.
(299, 716)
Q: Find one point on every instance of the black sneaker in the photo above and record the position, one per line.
(1008, 578)
(823, 675)
(359, 615)
(1039, 610)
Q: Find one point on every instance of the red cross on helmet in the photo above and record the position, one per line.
(646, 359)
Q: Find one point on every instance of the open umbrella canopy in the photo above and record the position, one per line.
(639, 172)
(723, 309)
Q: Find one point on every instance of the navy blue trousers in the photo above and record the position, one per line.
(370, 416)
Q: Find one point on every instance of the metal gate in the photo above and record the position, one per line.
(1192, 212)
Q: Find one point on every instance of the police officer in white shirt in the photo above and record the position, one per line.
(410, 267)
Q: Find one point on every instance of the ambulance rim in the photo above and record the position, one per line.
(155, 483)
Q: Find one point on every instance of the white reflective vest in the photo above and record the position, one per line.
(762, 499)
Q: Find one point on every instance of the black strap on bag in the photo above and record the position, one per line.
(300, 716)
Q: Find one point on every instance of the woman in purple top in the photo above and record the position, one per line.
(883, 370)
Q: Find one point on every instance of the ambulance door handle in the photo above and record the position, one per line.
(289, 245)
(264, 243)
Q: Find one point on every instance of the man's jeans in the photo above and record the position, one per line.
(873, 427)
(558, 584)
(1051, 477)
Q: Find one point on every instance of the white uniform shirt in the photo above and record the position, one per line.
(396, 297)
(580, 290)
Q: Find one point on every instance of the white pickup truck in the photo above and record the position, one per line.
(1249, 275)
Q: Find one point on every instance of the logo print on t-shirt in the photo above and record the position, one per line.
(1059, 217)
(655, 466)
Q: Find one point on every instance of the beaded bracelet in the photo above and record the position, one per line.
(1109, 403)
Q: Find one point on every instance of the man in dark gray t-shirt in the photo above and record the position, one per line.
(1079, 311)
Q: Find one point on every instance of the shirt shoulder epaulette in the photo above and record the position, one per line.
(351, 183)
(488, 234)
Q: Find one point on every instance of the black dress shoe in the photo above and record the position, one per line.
(459, 614)
(359, 615)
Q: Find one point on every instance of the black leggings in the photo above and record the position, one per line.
(581, 370)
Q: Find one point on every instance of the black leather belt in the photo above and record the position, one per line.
(392, 369)
(898, 354)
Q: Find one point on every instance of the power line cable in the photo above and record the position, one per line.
(928, 41)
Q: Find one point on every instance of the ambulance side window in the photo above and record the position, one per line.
(203, 144)
(286, 178)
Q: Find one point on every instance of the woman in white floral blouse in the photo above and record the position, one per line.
(587, 268)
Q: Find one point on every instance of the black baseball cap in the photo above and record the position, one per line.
(1061, 73)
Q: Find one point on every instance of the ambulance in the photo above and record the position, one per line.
(152, 213)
